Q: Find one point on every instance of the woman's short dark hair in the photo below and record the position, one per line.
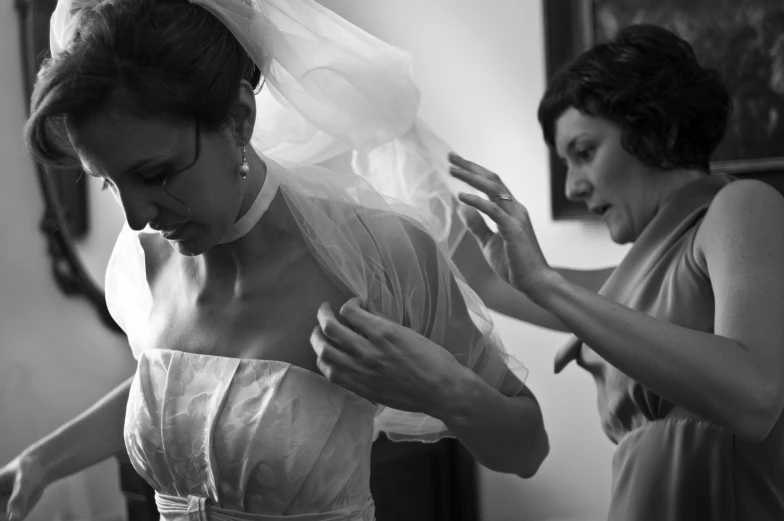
(140, 58)
(672, 112)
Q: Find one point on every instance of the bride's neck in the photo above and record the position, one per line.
(270, 241)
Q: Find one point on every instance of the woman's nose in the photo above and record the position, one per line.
(577, 188)
(139, 211)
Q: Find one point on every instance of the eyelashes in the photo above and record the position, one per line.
(159, 180)
(585, 153)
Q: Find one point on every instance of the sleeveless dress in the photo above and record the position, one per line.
(671, 465)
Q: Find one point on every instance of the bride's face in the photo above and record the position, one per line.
(176, 178)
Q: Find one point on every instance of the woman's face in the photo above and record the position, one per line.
(178, 179)
(600, 173)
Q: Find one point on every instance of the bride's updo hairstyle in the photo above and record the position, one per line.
(143, 59)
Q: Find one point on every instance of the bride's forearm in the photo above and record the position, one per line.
(91, 437)
(505, 434)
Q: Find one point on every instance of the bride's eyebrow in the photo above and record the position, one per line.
(138, 165)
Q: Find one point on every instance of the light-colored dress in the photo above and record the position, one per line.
(223, 438)
(226, 438)
(670, 464)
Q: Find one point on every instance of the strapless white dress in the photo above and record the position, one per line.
(224, 439)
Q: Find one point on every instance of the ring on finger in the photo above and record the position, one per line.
(502, 197)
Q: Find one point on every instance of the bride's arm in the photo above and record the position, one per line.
(504, 433)
(393, 365)
(417, 362)
(502, 427)
(91, 437)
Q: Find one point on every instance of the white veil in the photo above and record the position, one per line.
(331, 88)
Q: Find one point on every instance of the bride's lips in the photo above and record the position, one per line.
(173, 233)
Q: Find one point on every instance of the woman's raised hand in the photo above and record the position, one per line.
(513, 252)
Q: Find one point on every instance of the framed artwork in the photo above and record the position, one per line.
(741, 39)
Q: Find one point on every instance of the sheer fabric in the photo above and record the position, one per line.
(382, 231)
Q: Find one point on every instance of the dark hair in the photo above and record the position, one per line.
(139, 58)
(672, 112)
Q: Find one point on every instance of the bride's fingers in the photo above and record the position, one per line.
(340, 336)
(475, 224)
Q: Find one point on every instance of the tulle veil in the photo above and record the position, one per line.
(384, 227)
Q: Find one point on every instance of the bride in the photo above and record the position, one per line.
(207, 121)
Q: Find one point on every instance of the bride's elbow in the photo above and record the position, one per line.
(534, 461)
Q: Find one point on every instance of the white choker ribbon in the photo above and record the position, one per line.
(256, 211)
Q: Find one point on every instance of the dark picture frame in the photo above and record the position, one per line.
(69, 186)
(742, 39)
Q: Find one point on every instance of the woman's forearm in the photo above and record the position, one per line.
(505, 434)
(710, 375)
(502, 298)
(91, 437)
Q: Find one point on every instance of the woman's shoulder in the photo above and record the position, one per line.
(743, 210)
(743, 202)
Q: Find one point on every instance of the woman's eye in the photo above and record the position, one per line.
(106, 185)
(585, 154)
(159, 179)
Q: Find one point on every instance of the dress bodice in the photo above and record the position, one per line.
(254, 436)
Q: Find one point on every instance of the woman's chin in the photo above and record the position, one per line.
(187, 248)
(620, 234)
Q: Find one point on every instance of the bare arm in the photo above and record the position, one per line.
(393, 363)
(733, 377)
(503, 428)
(91, 437)
(504, 433)
(503, 298)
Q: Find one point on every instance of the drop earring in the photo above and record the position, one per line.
(244, 168)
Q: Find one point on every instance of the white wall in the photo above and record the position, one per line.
(480, 65)
(56, 359)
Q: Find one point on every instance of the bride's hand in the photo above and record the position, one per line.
(513, 252)
(382, 361)
(21, 485)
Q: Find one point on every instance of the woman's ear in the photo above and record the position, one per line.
(243, 113)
